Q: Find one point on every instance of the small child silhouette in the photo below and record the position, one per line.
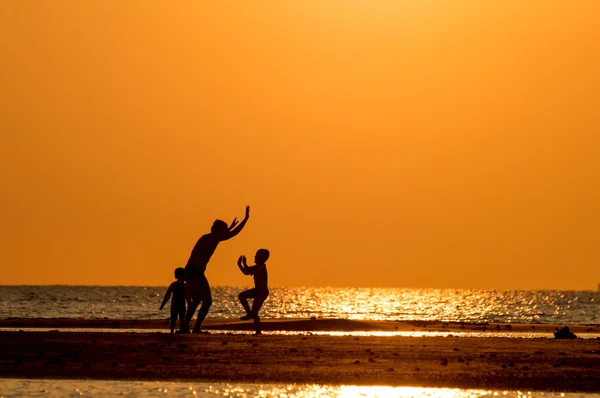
(181, 295)
(260, 292)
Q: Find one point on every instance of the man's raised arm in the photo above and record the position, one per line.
(239, 228)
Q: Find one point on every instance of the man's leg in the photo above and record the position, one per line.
(243, 297)
(181, 314)
(194, 287)
(173, 319)
(185, 327)
(206, 298)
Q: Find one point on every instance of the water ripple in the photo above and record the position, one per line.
(452, 305)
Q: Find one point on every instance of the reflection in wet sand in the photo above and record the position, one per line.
(76, 388)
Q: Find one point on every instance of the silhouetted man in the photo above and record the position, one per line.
(196, 267)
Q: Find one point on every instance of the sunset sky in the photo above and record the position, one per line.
(400, 143)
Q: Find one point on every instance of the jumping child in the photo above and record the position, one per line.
(181, 295)
(260, 292)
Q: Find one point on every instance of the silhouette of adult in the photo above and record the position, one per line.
(196, 266)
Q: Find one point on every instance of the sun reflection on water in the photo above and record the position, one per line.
(434, 305)
(71, 388)
(394, 304)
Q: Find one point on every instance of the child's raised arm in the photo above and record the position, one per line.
(249, 270)
(243, 266)
(167, 296)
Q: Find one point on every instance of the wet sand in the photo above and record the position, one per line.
(301, 325)
(464, 362)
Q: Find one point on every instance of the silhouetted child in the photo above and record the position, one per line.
(181, 294)
(261, 289)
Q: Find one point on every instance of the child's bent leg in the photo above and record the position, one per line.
(256, 305)
(243, 297)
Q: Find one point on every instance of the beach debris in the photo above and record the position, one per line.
(565, 333)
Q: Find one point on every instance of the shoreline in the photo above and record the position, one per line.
(303, 325)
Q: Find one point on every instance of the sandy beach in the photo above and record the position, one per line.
(448, 361)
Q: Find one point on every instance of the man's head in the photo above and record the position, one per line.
(219, 228)
(180, 273)
(261, 256)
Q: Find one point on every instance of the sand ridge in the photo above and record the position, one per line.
(316, 324)
(473, 362)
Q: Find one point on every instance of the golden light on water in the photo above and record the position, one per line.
(450, 305)
(432, 304)
(60, 388)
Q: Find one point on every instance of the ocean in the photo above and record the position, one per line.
(392, 304)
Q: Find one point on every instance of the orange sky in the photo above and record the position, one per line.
(405, 143)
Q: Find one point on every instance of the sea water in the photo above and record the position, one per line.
(110, 388)
(393, 304)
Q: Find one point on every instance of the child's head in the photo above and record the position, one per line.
(261, 256)
(180, 273)
(219, 228)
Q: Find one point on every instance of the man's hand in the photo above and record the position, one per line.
(244, 261)
(238, 227)
(240, 261)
